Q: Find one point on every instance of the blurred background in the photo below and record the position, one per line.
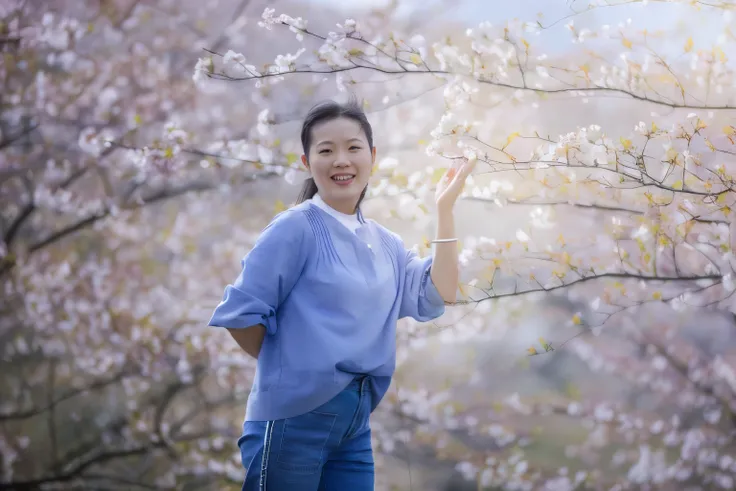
(144, 145)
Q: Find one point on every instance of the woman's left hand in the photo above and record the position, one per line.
(452, 184)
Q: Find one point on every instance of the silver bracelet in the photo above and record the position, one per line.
(441, 241)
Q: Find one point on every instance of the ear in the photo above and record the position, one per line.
(305, 163)
(373, 161)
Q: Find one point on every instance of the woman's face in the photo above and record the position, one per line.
(340, 162)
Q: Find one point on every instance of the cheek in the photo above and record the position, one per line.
(366, 165)
(319, 169)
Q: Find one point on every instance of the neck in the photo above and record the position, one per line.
(348, 207)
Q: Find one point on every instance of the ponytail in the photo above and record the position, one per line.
(362, 195)
(309, 189)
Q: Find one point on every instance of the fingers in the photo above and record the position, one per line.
(471, 160)
(468, 167)
(461, 172)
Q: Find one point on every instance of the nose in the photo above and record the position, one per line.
(341, 160)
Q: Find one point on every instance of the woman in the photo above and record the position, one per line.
(317, 303)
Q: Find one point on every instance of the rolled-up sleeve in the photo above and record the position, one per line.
(269, 272)
(420, 298)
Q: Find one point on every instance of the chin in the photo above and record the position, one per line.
(349, 193)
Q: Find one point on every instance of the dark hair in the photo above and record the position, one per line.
(327, 111)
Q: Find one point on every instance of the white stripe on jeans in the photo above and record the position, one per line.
(266, 452)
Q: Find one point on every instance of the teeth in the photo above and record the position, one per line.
(342, 178)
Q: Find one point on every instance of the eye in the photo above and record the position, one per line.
(324, 150)
(355, 147)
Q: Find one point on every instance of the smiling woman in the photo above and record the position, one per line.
(317, 303)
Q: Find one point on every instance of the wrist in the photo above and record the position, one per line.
(445, 224)
(444, 211)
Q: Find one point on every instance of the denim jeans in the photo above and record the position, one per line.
(327, 449)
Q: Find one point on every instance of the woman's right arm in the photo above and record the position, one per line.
(269, 272)
(251, 339)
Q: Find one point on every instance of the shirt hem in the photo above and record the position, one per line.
(269, 405)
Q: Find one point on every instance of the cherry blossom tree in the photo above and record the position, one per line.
(655, 187)
(109, 381)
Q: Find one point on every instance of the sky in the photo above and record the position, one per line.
(704, 27)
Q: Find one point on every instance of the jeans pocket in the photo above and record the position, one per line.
(303, 441)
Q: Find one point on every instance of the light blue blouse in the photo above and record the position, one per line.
(329, 299)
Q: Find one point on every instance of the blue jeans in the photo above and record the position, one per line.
(328, 449)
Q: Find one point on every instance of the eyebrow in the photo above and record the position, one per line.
(323, 142)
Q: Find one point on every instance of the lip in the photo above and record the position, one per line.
(345, 182)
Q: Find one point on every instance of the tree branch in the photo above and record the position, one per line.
(28, 210)
(160, 195)
(77, 471)
(6, 142)
(29, 413)
(585, 279)
(591, 206)
(437, 72)
(239, 10)
(126, 482)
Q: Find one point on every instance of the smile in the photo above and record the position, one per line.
(343, 179)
